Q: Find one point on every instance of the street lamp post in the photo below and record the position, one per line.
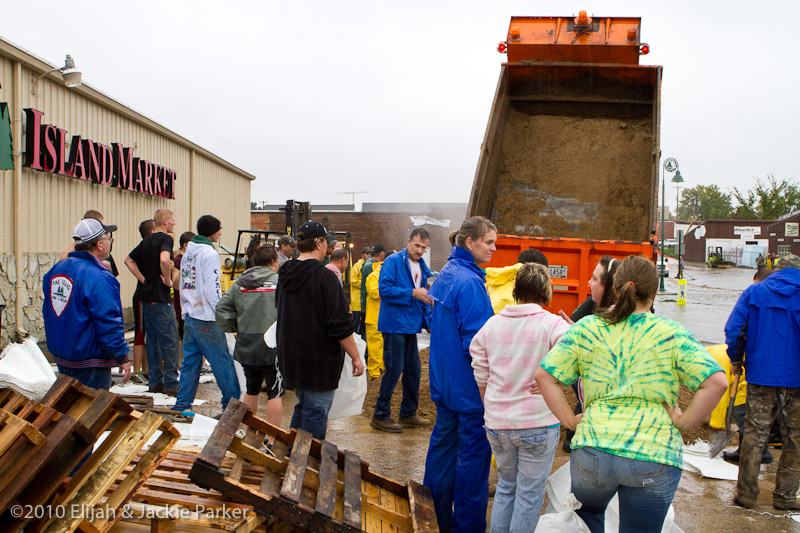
(670, 165)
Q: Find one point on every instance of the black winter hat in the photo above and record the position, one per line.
(208, 225)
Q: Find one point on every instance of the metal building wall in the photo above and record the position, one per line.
(52, 204)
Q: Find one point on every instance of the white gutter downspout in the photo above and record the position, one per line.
(17, 149)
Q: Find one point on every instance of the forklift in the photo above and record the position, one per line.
(297, 214)
(235, 265)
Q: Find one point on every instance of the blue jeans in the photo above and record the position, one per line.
(96, 378)
(161, 342)
(311, 411)
(207, 339)
(524, 459)
(457, 470)
(645, 489)
(400, 356)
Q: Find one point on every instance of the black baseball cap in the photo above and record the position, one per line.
(311, 230)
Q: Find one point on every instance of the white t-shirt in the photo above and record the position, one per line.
(416, 273)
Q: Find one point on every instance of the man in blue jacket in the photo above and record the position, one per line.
(765, 325)
(405, 310)
(83, 311)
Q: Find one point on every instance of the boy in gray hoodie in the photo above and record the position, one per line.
(248, 308)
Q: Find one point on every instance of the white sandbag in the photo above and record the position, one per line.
(230, 338)
(563, 522)
(561, 514)
(24, 368)
(348, 400)
(241, 378)
(271, 335)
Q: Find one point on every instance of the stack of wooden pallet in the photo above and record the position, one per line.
(314, 488)
(49, 470)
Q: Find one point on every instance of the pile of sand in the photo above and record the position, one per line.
(565, 176)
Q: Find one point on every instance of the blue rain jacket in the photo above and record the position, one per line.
(766, 324)
(83, 314)
(461, 307)
(401, 312)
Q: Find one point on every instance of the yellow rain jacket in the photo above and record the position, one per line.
(355, 286)
(500, 285)
(720, 354)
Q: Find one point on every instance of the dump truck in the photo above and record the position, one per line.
(569, 162)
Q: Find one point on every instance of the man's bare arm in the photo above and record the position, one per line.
(131, 264)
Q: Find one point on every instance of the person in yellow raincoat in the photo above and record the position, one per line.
(374, 337)
(355, 294)
(500, 280)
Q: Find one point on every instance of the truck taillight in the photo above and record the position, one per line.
(502, 48)
(644, 49)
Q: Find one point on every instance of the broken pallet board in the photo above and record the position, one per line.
(319, 488)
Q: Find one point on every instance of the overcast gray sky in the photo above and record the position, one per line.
(319, 97)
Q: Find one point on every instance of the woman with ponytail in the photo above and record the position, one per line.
(632, 364)
(457, 465)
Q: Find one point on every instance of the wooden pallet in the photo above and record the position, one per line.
(168, 500)
(89, 486)
(14, 427)
(94, 412)
(318, 488)
(21, 464)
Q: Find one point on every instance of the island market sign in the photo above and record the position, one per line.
(115, 166)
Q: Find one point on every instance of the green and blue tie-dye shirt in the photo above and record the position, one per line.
(629, 370)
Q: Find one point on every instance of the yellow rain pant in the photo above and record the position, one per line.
(374, 351)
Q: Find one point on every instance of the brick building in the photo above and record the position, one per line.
(740, 240)
(784, 235)
(385, 223)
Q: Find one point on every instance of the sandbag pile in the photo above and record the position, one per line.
(24, 368)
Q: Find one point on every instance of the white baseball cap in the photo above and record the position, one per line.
(90, 228)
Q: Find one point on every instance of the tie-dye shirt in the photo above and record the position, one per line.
(629, 370)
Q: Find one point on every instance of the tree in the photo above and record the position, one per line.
(767, 201)
(704, 202)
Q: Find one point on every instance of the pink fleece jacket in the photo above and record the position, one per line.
(506, 353)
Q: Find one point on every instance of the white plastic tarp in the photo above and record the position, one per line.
(696, 459)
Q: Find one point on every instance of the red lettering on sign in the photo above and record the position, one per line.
(137, 175)
(64, 168)
(79, 163)
(50, 134)
(107, 164)
(45, 149)
(33, 139)
(123, 166)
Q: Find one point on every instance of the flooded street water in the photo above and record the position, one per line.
(711, 296)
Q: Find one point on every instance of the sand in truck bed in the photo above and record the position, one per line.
(565, 176)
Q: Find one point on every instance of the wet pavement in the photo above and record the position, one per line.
(701, 505)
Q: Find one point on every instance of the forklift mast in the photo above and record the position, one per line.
(297, 214)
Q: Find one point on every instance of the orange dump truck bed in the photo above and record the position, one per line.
(570, 156)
